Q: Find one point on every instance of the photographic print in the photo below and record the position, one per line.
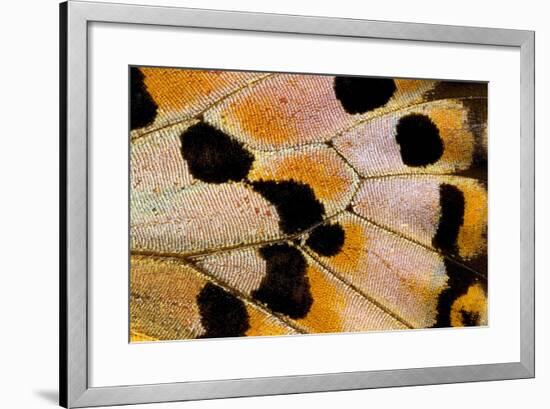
(267, 204)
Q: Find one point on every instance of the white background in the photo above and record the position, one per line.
(29, 222)
(116, 46)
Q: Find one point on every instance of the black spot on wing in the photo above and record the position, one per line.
(296, 204)
(222, 314)
(451, 202)
(285, 287)
(143, 108)
(359, 94)
(419, 140)
(460, 279)
(469, 318)
(213, 156)
(327, 240)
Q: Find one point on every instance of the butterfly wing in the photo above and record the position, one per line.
(269, 204)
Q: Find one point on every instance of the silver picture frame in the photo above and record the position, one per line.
(75, 17)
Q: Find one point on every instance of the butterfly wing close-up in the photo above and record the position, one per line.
(278, 204)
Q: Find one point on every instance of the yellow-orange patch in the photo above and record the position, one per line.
(458, 141)
(328, 303)
(472, 239)
(262, 324)
(473, 302)
(354, 250)
(319, 167)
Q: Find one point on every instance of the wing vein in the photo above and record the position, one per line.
(212, 105)
(240, 246)
(363, 119)
(411, 240)
(369, 118)
(210, 277)
(358, 291)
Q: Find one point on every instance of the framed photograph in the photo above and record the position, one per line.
(258, 204)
